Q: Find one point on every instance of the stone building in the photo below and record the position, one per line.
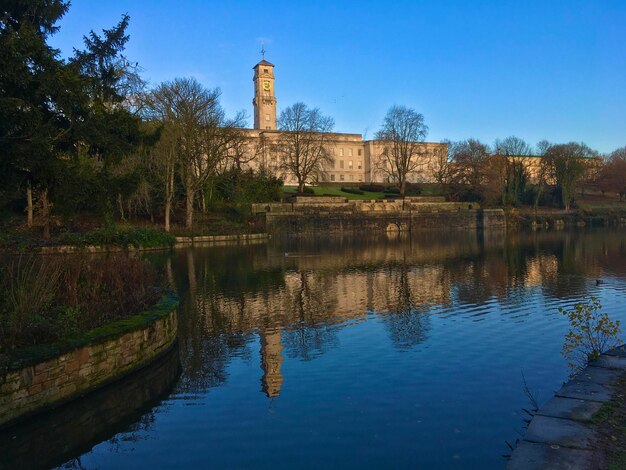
(355, 160)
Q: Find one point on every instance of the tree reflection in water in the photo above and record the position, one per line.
(291, 305)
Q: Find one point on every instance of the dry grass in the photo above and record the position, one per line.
(46, 299)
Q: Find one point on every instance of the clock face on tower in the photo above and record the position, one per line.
(266, 85)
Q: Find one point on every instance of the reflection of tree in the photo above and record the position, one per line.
(313, 301)
(242, 291)
(309, 342)
(568, 280)
(408, 322)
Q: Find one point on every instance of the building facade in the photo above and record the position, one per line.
(354, 160)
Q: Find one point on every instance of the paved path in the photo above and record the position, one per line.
(560, 435)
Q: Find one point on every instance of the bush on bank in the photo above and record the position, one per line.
(51, 299)
(114, 236)
(146, 237)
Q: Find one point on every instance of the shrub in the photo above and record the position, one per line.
(350, 190)
(49, 299)
(28, 293)
(591, 333)
(372, 188)
(145, 237)
(412, 189)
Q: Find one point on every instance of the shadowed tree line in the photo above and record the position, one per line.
(511, 172)
(84, 134)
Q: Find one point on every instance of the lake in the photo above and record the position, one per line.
(343, 352)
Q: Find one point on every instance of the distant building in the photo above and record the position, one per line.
(355, 160)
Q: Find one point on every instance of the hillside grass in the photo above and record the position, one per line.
(336, 191)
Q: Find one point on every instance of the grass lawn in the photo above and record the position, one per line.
(335, 191)
(592, 202)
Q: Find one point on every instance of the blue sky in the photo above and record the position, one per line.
(545, 69)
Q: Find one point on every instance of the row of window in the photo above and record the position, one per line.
(349, 178)
(359, 165)
(350, 154)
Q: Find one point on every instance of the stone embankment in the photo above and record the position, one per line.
(337, 214)
(38, 378)
(203, 240)
(561, 434)
(181, 242)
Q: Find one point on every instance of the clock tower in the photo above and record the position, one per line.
(264, 100)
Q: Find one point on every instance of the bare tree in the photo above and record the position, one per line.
(441, 166)
(513, 151)
(305, 142)
(512, 147)
(469, 160)
(566, 166)
(202, 135)
(402, 134)
(163, 162)
(541, 172)
(613, 174)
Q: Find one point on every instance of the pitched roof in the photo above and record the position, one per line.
(263, 62)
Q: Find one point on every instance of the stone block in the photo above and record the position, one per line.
(585, 390)
(610, 362)
(570, 408)
(72, 366)
(533, 456)
(561, 432)
(597, 375)
(620, 351)
(26, 376)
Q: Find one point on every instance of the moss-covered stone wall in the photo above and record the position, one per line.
(44, 377)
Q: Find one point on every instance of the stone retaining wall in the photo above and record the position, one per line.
(336, 214)
(29, 385)
(218, 239)
(181, 242)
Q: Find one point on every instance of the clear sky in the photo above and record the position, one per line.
(546, 69)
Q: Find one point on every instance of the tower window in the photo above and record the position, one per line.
(267, 117)
(264, 70)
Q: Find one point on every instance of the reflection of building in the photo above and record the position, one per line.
(355, 159)
(271, 361)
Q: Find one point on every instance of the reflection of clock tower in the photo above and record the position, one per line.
(264, 100)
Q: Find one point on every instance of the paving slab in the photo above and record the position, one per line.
(598, 375)
(561, 432)
(585, 390)
(570, 408)
(620, 351)
(533, 456)
(610, 362)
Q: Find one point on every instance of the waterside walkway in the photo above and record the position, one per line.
(561, 434)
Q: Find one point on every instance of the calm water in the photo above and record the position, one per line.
(343, 353)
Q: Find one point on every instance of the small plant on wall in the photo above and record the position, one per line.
(591, 333)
